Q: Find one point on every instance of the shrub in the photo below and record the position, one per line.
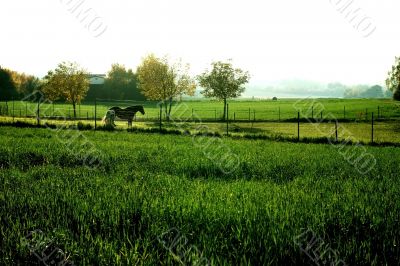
(82, 126)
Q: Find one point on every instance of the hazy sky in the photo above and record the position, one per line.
(274, 40)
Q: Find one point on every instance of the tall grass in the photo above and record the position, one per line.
(148, 184)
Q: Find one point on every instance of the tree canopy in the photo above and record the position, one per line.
(160, 81)
(393, 79)
(69, 82)
(120, 84)
(223, 82)
(364, 91)
(14, 85)
(7, 86)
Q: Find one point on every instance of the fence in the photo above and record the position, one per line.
(237, 118)
(98, 109)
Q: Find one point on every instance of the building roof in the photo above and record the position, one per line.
(97, 75)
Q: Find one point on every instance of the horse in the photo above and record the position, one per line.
(128, 113)
(109, 118)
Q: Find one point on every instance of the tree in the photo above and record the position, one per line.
(393, 79)
(375, 91)
(121, 83)
(32, 84)
(160, 81)
(69, 82)
(7, 86)
(223, 82)
(24, 83)
(355, 91)
(15, 85)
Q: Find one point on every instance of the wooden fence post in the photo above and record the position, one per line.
(13, 110)
(279, 114)
(227, 119)
(298, 126)
(336, 132)
(312, 112)
(161, 116)
(344, 112)
(372, 128)
(95, 114)
(38, 112)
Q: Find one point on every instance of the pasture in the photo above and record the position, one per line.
(273, 119)
(197, 199)
(162, 199)
(207, 110)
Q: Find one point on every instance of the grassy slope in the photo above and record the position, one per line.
(148, 184)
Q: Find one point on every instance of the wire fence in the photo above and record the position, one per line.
(98, 109)
(284, 121)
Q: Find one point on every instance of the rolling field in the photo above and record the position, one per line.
(149, 199)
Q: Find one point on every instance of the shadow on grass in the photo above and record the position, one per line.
(251, 136)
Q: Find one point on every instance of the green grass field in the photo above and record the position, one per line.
(384, 131)
(169, 200)
(354, 109)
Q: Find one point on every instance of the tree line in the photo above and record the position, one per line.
(14, 85)
(365, 91)
(156, 79)
(120, 83)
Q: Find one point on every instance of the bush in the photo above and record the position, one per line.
(106, 128)
(82, 126)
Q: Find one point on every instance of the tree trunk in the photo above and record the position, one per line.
(170, 107)
(166, 110)
(74, 106)
(224, 115)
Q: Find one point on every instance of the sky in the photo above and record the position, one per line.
(348, 41)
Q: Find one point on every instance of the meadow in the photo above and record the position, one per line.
(256, 118)
(145, 190)
(211, 110)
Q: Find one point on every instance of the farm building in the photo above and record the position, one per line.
(96, 79)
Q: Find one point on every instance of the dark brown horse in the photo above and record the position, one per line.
(128, 113)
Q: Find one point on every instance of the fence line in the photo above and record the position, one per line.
(238, 115)
(91, 113)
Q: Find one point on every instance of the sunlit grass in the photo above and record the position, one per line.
(238, 109)
(148, 184)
